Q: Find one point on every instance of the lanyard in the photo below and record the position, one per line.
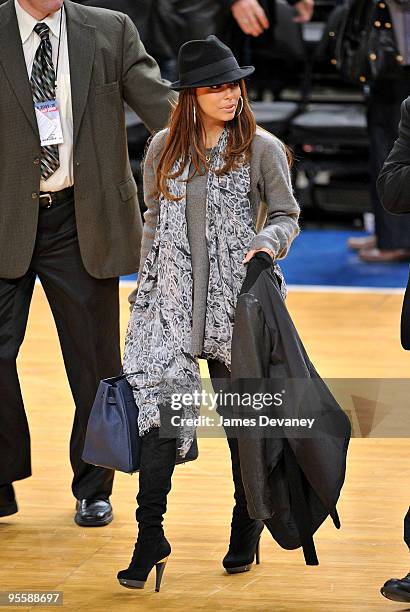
(59, 43)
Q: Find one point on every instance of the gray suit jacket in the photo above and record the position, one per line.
(108, 65)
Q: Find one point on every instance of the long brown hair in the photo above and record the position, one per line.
(185, 140)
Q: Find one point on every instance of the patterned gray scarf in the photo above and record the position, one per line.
(158, 341)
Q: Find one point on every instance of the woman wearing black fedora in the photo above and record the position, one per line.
(217, 190)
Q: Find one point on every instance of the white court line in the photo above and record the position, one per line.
(320, 288)
(314, 288)
(343, 289)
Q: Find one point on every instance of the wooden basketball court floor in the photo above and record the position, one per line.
(348, 334)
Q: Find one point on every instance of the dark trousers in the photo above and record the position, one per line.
(407, 528)
(86, 314)
(220, 377)
(383, 117)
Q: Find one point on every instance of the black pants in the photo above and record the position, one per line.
(86, 313)
(383, 116)
(220, 377)
(407, 528)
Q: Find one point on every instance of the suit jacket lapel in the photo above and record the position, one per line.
(13, 62)
(81, 50)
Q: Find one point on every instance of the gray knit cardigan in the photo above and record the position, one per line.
(275, 214)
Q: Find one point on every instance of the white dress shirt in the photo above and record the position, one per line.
(63, 177)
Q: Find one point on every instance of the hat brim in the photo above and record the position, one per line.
(220, 79)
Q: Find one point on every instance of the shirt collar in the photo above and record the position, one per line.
(26, 22)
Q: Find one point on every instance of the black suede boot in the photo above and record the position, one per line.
(152, 548)
(245, 531)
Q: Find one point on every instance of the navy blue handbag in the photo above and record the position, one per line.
(112, 440)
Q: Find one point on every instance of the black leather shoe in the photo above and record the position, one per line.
(397, 589)
(93, 512)
(8, 504)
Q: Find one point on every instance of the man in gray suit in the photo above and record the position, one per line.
(69, 209)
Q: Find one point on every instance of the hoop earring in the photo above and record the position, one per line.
(194, 115)
(241, 101)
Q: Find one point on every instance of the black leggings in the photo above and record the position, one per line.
(220, 377)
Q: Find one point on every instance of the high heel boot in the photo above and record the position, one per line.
(152, 548)
(245, 531)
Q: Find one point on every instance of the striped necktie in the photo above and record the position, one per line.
(43, 88)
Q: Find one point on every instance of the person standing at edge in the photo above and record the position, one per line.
(69, 208)
(393, 186)
(390, 242)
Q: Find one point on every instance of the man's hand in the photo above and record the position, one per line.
(251, 17)
(305, 11)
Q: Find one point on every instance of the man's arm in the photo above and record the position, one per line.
(252, 19)
(143, 88)
(393, 183)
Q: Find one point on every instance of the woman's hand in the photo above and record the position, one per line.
(251, 253)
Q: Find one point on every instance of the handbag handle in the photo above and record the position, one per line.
(125, 374)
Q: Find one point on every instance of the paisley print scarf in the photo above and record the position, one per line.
(158, 340)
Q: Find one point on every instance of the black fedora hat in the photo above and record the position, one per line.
(207, 62)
